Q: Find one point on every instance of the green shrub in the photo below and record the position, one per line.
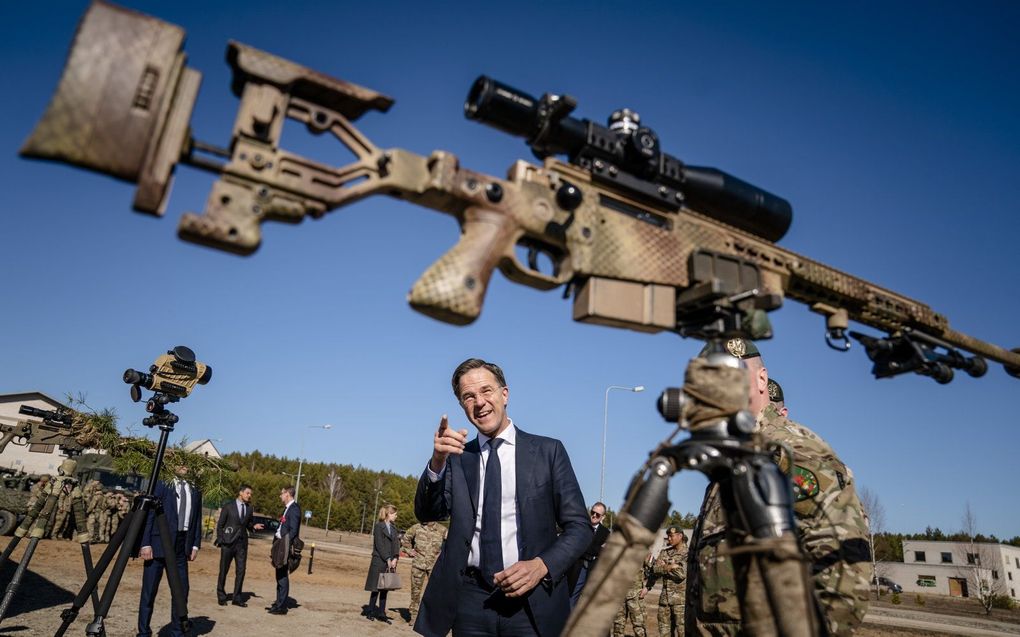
(919, 600)
(895, 599)
(1004, 602)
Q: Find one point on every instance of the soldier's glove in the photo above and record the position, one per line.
(83, 538)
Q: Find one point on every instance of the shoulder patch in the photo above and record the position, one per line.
(805, 484)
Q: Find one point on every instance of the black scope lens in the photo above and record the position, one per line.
(670, 402)
(135, 377)
(734, 201)
(502, 107)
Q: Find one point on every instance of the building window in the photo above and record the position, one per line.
(1010, 574)
(1017, 561)
(918, 556)
(927, 581)
(973, 558)
(947, 558)
(36, 447)
(995, 574)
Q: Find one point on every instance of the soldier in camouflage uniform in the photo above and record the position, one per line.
(422, 542)
(671, 569)
(109, 510)
(64, 502)
(634, 605)
(37, 488)
(776, 397)
(123, 507)
(91, 496)
(831, 527)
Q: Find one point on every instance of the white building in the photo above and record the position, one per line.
(34, 458)
(955, 568)
(203, 447)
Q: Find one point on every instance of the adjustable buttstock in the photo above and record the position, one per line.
(453, 288)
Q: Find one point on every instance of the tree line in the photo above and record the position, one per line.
(357, 491)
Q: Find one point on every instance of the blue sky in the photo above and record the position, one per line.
(891, 128)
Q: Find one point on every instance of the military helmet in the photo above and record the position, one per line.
(737, 347)
(775, 391)
(68, 467)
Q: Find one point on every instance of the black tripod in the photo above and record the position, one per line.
(125, 540)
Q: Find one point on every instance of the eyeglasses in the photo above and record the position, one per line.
(596, 514)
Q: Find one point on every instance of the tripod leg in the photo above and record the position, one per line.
(12, 588)
(124, 537)
(13, 544)
(79, 520)
(38, 527)
(179, 597)
(86, 555)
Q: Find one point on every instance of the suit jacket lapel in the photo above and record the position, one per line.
(469, 462)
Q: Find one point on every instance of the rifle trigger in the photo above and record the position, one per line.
(837, 339)
(533, 258)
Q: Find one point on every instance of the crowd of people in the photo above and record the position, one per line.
(104, 509)
(504, 543)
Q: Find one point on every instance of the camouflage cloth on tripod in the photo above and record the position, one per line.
(830, 526)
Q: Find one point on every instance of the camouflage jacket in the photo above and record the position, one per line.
(426, 540)
(831, 529)
(641, 580)
(673, 579)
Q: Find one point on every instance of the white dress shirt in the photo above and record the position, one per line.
(279, 529)
(508, 491)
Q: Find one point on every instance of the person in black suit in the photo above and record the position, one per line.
(232, 538)
(507, 494)
(290, 527)
(182, 504)
(385, 553)
(578, 575)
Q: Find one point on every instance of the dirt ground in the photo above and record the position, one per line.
(327, 602)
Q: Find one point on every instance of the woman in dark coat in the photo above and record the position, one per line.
(385, 552)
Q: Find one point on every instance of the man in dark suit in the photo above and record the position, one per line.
(182, 504)
(578, 575)
(232, 538)
(506, 493)
(290, 526)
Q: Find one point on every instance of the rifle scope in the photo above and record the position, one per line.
(548, 129)
(65, 417)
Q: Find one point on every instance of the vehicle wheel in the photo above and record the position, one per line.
(7, 522)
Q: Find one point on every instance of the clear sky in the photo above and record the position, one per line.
(891, 127)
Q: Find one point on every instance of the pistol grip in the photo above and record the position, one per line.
(453, 288)
(6, 439)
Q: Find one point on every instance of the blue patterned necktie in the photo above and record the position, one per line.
(491, 543)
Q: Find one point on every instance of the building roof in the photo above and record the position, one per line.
(29, 395)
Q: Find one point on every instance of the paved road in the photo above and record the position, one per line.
(949, 624)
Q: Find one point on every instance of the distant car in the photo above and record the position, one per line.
(270, 525)
(886, 585)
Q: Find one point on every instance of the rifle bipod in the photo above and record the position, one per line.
(122, 545)
(34, 526)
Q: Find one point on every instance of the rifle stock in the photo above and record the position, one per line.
(629, 249)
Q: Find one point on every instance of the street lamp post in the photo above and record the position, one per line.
(605, 429)
(301, 456)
